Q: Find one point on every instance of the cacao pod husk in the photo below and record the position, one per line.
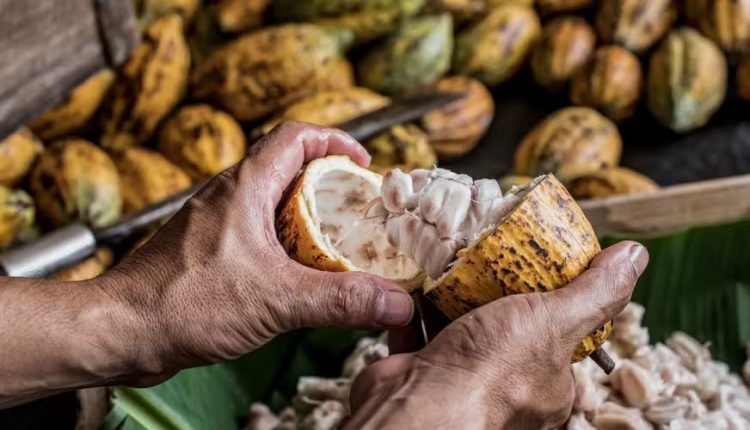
(147, 177)
(569, 143)
(148, 86)
(417, 55)
(17, 154)
(564, 47)
(266, 70)
(237, 16)
(87, 269)
(17, 215)
(635, 24)
(726, 22)
(611, 82)
(610, 182)
(74, 180)
(493, 49)
(405, 147)
(202, 141)
(687, 80)
(456, 128)
(75, 111)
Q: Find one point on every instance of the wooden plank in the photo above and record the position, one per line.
(672, 208)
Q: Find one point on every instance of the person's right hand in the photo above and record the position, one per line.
(503, 365)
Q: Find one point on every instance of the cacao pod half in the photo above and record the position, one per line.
(726, 22)
(610, 182)
(16, 215)
(565, 46)
(402, 146)
(17, 154)
(635, 24)
(147, 177)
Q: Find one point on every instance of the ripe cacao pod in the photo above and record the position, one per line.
(75, 111)
(570, 143)
(726, 22)
(564, 47)
(687, 80)
(89, 268)
(74, 180)
(236, 16)
(148, 86)
(468, 10)
(202, 141)
(17, 154)
(456, 128)
(402, 146)
(146, 177)
(610, 182)
(417, 55)
(743, 79)
(556, 6)
(493, 49)
(635, 24)
(611, 82)
(150, 10)
(16, 215)
(263, 71)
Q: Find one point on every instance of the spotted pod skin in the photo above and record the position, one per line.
(368, 19)
(87, 269)
(455, 129)
(75, 111)
(635, 24)
(17, 155)
(687, 80)
(17, 215)
(406, 147)
(726, 22)
(571, 142)
(269, 69)
(542, 245)
(329, 108)
(74, 180)
(148, 86)
(564, 47)
(611, 182)
(611, 82)
(557, 6)
(416, 56)
(202, 141)
(236, 16)
(493, 49)
(147, 177)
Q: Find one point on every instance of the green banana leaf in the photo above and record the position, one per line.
(698, 281)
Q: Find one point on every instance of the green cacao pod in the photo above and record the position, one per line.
(564, 47)
(611, 182)
(148, 86)
(687, 80)
(726, 22)
(74, 180)
(368, 19)
(493, 49)
(263, 71)
(237, 16)
(556, 6)
(417, 55)
(402, 146)
(743, 79)
(635, 24)
(202, 141)
(16, 215)
(570, 143)
(146, 177)
(456, 128)
(611, 82)
(17, 154)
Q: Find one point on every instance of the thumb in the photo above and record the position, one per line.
(350, 300)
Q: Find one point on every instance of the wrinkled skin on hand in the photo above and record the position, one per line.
(507, 362)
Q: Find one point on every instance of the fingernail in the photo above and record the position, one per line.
(639, 257)
(395, 309)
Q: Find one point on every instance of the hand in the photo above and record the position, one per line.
(504, 365)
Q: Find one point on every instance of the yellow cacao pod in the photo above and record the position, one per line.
(147, 177)
(17, 154)
(17, 215)
(402, 146)
(726, 22)
(635, 24)
(610, 182)
(564, 47)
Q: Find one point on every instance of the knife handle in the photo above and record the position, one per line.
(51, 252)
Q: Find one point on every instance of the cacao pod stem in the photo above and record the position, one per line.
(603, 360)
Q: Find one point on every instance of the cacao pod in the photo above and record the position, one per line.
(687, 80)
(610, 182)
(455, 129)
(417, 55)
(743, 79)
(329, 108)
(146, 177)
(148, 87)
(611, 82)
(556, 6)
(402, 146)
(17, 154)
(564, 47)
(150, 10)
(202, 141)
(16, 215)
(205, 35)
(75, 111)
(236, 16)
(493, 49)
(509, 181)
(467, 10)
(570, 143)
(368, 19)
(263, 71)
(635, 24)
(726, 22)
(87, 269)
(74, 180)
